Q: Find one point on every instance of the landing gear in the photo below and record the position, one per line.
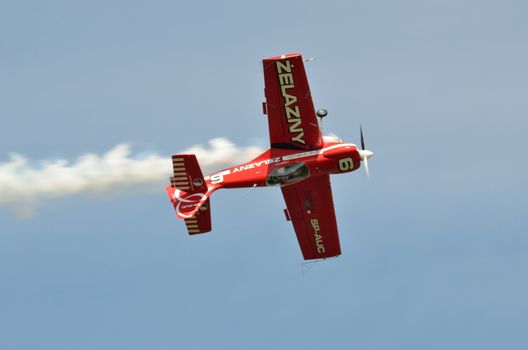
(321, 113)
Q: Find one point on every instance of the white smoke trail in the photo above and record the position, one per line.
(24, 186)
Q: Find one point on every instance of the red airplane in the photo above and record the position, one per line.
(299, 161)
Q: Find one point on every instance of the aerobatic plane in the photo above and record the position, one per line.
(300, 161)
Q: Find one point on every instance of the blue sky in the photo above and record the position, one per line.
(434, 244)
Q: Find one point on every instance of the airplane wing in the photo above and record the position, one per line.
(291, 114)
(311, 210)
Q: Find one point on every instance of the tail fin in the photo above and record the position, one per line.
(189, 193)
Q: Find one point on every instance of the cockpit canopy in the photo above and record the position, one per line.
(332, 138)
(288, 174)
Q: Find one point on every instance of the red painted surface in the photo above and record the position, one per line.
(299, 162)
(291, 114)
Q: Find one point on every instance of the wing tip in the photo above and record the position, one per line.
(282, 57)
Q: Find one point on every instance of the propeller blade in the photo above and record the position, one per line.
(364, 153)
(362, 139)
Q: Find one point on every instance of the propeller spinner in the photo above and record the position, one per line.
(364, 153)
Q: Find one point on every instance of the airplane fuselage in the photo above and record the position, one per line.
(283, 167)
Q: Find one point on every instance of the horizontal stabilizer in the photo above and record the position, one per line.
(201, 221)
(187, 175)
(189, 193)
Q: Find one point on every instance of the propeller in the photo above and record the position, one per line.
(364, 153)
(362, 138)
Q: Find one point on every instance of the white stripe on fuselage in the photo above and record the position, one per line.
(319, 151)
(285, 158)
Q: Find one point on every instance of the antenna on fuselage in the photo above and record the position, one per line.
(321, 113)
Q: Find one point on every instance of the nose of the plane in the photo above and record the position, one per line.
(365, 154)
